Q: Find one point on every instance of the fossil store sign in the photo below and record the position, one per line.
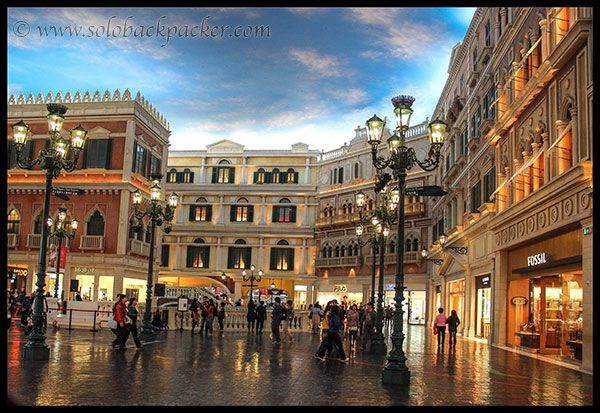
(536, 259)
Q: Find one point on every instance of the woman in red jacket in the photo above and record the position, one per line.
(119, 313)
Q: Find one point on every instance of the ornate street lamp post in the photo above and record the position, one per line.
(157, 215)
(62, 229)
(58, 155)
(400, 159)
(382, 219)
(252, 278)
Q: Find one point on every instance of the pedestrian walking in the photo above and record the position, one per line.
(325, 344)
(132, 312)
(203, 307)
(453, 323)
(211, 311)
(368, 326)
(333, 334)
(315, 315)
(440, 324)
(289, 312)
(119, 314)
(352, 321)
(251, 316)
(221, 316)
(195, 314)
(25, 309)
(277, 315)
(261, 316)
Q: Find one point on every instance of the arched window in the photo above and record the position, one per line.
(260, 176)
(202, 212)
(13, 222)
(172, 175)
(95, 225)
(356, 170)
(329, 252)
(37, 223)
(291, 176)
(276, 177)
(284, 213)
(187, 176)
(241, 212)
(239, 256)
(337, 251)
(282, 259)
(198, 255)
(392, 246)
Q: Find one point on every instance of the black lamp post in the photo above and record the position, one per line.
(382, 219)
(400, 159)
(252, 278)
(60, 154)
(62, 229)
(157, 215)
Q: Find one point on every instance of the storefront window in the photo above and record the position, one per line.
(457, 296)
(553, 320)
(105, 288)
(484, 300)
(417, 307)
(86, 287)
(135, 288)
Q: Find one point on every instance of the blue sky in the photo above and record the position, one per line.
(317, 74)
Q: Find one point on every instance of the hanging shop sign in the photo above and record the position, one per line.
(519, 300)
(21, 272)
(340, 288)
(483, 282)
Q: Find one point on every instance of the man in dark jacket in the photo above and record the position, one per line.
(261, 316)
(276, 317)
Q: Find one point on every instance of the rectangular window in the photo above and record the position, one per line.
(475, 59)
(488, 100)
(282, 259)
(239, 257)
(489, 184)
(475, 122)
(202, 213)
(341, 175)
(476, 196)
(139, 159)
(198, 257)
(488, 34)
(154, 165)
(241, 213)
(164, 255)
(223, 175)
(284, 213)
(97, 154)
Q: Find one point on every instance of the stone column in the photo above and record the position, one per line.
(305, 222)
(221, 211)
(498, 331)
(470, 300)
(203, 172)
(562, 155)
(536, 178)
(177, 266)
(219, 254)
(503, 18)
(263, 212)
(526, 175)
(496, 32)
(261, 255)
(303, 257)
(179, 211)
(518, 181)
(123, 232)
(307, 172)
(501, 196)
(546, 155)
(544, 25)
(244, 179)
(574, 136)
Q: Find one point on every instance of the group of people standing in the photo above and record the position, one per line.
(439, 325)
(207, 310)
(337, 319)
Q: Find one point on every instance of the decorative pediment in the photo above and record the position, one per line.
(98, 133)
(225, 145)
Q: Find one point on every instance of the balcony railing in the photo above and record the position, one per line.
(323, 221)
(13, 240)
(35, 241)
(92, 242)
(338, 261)
(135, 246)
(410, 257)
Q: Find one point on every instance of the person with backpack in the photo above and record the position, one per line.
(251, 316)
(453, 323)
(287, 321)
(261, 316)
(221, 316)
(368, 326)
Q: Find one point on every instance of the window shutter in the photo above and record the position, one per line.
(230, 253)
(209, 213)
(135, 145)
(293, 214)
(295, 177)
(290, 259)
(215, 171)
(109, 143)
(179, 177)
(231, 175)
(190, 255)
(255, 177)
(248, 260)
(192, 212)
(86, 151)
(268, 177)
(232, 213)
(251, 213)
(282, 177)
(205, 251)
(273, 259)
(275, 213)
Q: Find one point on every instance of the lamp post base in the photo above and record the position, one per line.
(147, 331)
(36, 353)
(395, 376)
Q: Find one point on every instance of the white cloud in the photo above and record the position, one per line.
(307, 11)
(322, 64)
(351, 96)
